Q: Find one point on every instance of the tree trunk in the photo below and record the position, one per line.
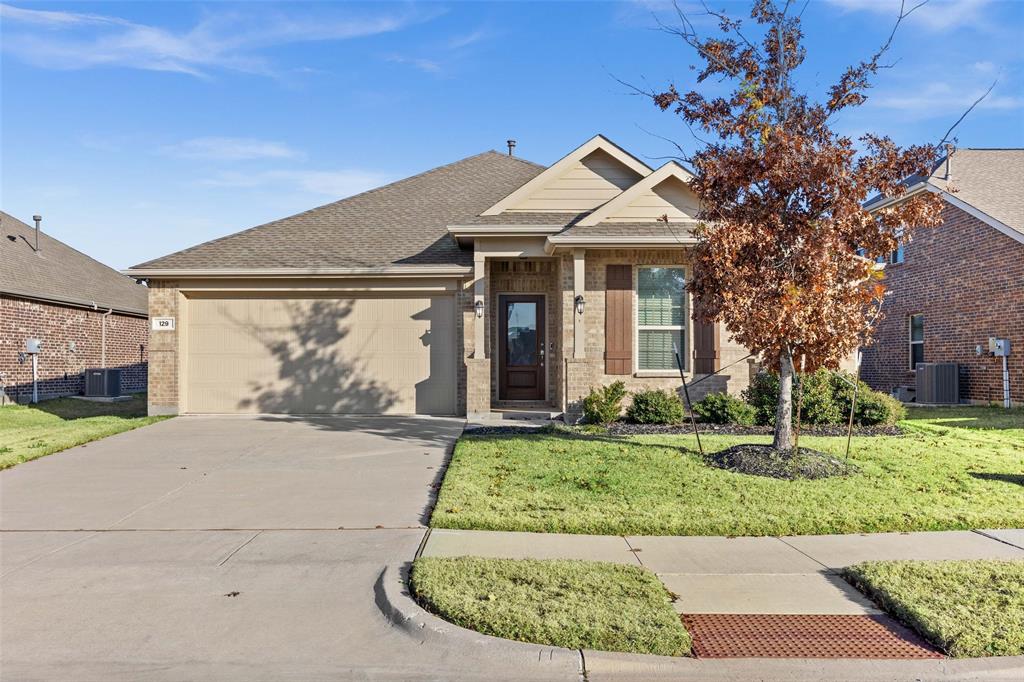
(784, 409)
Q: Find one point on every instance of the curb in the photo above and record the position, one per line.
(612, 665)
(392, 597)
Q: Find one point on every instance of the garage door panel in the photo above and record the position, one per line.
(348, 356)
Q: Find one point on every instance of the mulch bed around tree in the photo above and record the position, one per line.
(628, 429)
(764, 460)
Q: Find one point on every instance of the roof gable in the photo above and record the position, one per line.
(587, 177)
(983, 182)
(664, 192)
(990, 180)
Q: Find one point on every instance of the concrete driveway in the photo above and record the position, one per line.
(221, 548)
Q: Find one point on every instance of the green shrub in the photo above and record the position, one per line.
(604, 405)
(874, 407)
(762, 395)
(655, 407)
(818, 403)
(826, 400)
(722, 408)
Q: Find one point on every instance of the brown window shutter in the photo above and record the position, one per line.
(706, 346)
(618, 320)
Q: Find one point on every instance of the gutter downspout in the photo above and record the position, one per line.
(103, 337)
(103, 334)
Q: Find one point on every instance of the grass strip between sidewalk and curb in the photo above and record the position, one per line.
(33, 431)
(966, 608)
(555, 602)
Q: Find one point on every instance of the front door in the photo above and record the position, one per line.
(521, 347)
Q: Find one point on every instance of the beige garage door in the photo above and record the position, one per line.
(367, 355)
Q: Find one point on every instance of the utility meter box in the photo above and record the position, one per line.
(999, 347)
(33, 346)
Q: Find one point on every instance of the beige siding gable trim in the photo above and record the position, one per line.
(564, 166)
(622, 202)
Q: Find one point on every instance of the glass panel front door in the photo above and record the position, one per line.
(521, 371)
(521, 343)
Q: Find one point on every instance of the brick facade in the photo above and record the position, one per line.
(732, 380)
(72, 343)
(163, 351)
(571, 378)
(967, 279)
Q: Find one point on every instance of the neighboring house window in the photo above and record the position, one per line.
(897, 255)
(661, 317)
(916, 340)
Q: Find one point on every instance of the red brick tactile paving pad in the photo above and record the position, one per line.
(722, 635)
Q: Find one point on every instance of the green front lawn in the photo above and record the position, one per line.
(31, 431)
(954, 468)
(556, 602)
(966, 608)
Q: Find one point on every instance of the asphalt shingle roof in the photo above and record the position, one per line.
(990, 180)
(513, 218)
(638, 230)
(60, 273)
(404, 223)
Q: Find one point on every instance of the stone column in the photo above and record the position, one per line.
(478, 387)
(579, 338)
(163, 350)
(479, 299)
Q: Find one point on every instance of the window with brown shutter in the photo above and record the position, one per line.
(618, 311)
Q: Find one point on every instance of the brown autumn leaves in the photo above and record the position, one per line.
(782, 195)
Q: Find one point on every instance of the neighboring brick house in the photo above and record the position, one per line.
(66, 299)
(955, 286)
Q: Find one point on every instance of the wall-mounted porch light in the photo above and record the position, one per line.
(580, 303)
(479, 308)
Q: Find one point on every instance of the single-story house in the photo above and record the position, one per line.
(487, 283)
(85, 314)
(955, 286)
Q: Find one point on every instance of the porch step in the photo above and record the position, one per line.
(500, 419)
(525, 415)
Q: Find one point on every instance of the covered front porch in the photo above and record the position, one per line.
(518, 342)
(548, 326)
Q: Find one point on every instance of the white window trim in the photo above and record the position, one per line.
(910, 340)
(686, 327)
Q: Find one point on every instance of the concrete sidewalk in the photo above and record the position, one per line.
(750, 575)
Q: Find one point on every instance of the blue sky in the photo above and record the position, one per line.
(137, 129)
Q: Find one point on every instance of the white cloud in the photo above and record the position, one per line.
(940, 98)
(336, 184)
(226, 40)
(471, 38)
(424, 65)
(984, 67)
(230, 149)
(937, 15)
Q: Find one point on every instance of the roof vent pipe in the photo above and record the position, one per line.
(511, 145)
(38, 219)
(949, 159)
